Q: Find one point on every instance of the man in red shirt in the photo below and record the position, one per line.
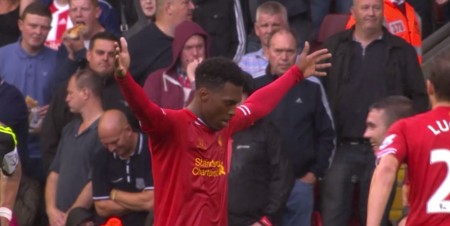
(189, 146)
(423, 142)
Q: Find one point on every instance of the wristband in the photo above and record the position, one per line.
(6, 213)
(113, 194)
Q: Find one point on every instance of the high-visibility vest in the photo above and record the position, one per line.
(406, 27)
(9, 132)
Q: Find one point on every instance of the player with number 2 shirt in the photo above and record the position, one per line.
(423, 142)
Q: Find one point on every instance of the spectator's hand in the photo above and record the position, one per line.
(309, 64)
(122, 62)
(4, 221)
(72, 46)
(441, 2)
(35, 117)
(402, 222)
(190, 70)
(56, 217)
(256, 224)
(43, 111)
(309, 178)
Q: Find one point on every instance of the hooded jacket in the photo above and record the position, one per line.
(163, 86)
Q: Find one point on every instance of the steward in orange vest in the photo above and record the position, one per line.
(405, 25)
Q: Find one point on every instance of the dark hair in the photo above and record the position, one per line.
(285, 31)
(214, 72)
(440, 75)
(105, 35)
(86, 78)
(37, 8)
(395, 108)
(249, 86)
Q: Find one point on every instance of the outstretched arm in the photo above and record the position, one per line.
(265, 99)
(149, 114)
(380, 189)
(9, 185)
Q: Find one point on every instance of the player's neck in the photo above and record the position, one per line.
(193, 108)
(441, 104)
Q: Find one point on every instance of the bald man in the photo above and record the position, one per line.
(122, 178)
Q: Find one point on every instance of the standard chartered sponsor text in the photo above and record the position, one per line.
(209, 168)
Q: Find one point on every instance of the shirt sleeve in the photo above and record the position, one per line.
(394, 143)
(262, 102)
(100, 184)
(152, 118)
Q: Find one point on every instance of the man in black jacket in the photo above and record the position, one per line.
(369, 64)
(305, 124)
(101, 60)
(223, 21)
(261, 175)
(151, 47)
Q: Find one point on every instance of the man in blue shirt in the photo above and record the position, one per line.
(270, 16)
(27, 64)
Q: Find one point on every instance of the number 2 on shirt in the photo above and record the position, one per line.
(437, 202)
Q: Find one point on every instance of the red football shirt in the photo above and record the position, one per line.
(423, 142)
(189, 159)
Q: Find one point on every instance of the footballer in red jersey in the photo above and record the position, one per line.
(189, 146)
(423, 142)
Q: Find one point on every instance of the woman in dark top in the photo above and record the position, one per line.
(9, 15)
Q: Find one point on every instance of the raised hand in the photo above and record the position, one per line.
(441, 2)
(190, 71)
(72, 46)
(122, 61)
(56, 218)
(310, 64)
